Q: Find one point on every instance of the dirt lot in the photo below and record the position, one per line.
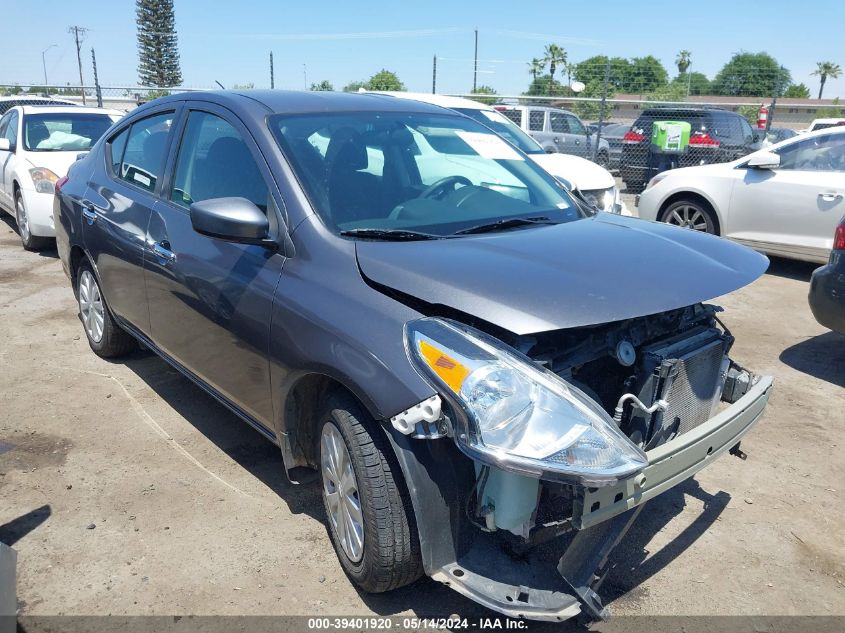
(126, 490)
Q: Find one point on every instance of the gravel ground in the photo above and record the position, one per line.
(126, 490)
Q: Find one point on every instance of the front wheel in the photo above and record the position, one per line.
(369, 513)
(30, 242)
(690, 214)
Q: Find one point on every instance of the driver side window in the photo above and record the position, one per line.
(575, 126)
(820, 153)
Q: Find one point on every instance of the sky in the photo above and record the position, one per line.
(230, 42)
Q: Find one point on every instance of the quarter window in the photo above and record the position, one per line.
(215, 162)
(536, 119)
(116, 147)
(143, 158)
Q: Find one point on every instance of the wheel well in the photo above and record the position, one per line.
(300, 415)
(15, 187)
(76, 257)
(693, 197)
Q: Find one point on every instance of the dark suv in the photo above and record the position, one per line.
(404, 302)
(716, 136)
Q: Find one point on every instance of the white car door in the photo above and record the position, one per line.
(792, 210)
(8, 130)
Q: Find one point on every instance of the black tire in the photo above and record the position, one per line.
(603, 160)
(30, 242)
(692, 214)
(113, 340)
(391, 550)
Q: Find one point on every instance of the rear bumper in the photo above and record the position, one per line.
(827, 293)
(536, 590)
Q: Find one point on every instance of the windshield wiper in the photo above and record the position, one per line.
(394, 235)
(501, 225)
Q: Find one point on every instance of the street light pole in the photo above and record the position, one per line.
(44, 61)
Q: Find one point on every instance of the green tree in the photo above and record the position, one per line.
(645, 74)
(750, 112)
(830, 112)
(323, 86)
(593, 69)
(554, 55)
(536, 67)
(543, 86)
(384, 80)
(354, 86)
(158, 48)
(797, 91)
(752, 75)
(825, 70)
(485, 90)
(683, 61)
(696, 83)
(590, 110)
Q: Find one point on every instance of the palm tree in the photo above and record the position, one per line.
(554, 55)
(536, 67)
(683, 61)
(823, 71)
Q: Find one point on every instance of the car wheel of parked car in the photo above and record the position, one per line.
(369, 513)
(30, 242)
(690, 214)
(105, 337)
(602, 160)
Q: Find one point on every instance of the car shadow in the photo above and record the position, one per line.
(791, 268)
(224, 429)
(9, 221)
(16, 529)
(425, 597)
(821, 356)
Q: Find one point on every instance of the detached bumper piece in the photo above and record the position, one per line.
(534, 586)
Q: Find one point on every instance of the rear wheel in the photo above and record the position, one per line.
(105, 337)
(367, 507)
(690, 214)
(30, 242)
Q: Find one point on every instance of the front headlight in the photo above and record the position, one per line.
(518, 416)
(43, 179)
(602, 199)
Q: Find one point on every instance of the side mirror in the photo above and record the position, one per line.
(233, 220)
(4, 145)
(764, 160)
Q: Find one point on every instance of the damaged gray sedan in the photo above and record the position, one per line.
(490, 378)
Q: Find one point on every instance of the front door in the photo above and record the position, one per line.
(795, 208)
(210, 300)
(9, 131)
(577, 136)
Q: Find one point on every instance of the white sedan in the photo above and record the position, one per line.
(785, 200)
(37, 146)
(595, 184)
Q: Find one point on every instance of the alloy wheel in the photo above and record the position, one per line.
(340, 489)
(91, 306)
(689, 217)
(22, 220)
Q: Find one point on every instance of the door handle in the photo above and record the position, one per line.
(89, 214)
(163, 252)
(577, 141)
(829, 196)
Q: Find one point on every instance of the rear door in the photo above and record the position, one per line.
(116, 211)
(578, 136)
(793, 210)
(538, 128)
(210, 300)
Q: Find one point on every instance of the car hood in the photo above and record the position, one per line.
(591, 271)
(582, 173)
(57, 162)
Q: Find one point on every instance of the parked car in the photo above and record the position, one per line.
(785, 200)
(614, 135)
(472, 364)
(593, 182)
(716, 136)
(827, 286)
(822, 124)
(557, 130)
(22, 99)
(777, 134)
(37, 145)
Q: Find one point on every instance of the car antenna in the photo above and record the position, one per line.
(219, 84)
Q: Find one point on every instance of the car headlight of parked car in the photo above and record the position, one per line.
(603, 199)
(43, 179)
(518, 416)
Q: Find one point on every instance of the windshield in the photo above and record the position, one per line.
(505, 128)
(63, 132)
(377, 172)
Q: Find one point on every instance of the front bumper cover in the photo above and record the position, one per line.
(602, 516)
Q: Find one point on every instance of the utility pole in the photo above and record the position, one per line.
(77, 31)
(272, 78)
(475, 66)
(304, 77)
(434, 76)
(97, 89)
(44, 62)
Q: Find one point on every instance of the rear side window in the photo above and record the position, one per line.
(514, 115)
(557, 122)
(143, 157)
(535, 120)
(215, 162)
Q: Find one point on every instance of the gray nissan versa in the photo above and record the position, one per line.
(490, 379)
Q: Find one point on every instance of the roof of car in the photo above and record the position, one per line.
(505, 106)
(444, 101)
(296, 102)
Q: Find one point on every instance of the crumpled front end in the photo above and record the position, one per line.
(533, 535)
